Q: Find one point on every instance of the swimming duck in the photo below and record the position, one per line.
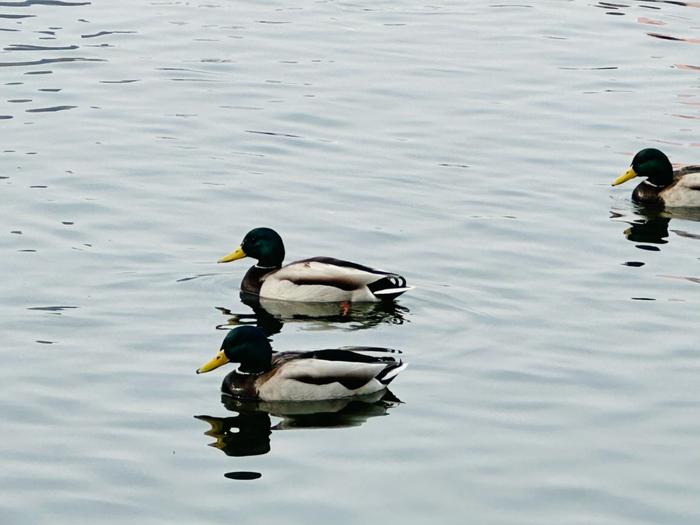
(663, 186)
(318, 279)
(298, 376)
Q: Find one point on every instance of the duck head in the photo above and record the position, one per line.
(652, 164)
(246, 345)
(263, 244)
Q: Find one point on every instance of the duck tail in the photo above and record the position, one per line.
(389, 287)
(387, 375)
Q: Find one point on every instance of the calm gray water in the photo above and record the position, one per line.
(553, 333)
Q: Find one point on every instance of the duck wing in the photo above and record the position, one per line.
(351, 369)
(689, 177)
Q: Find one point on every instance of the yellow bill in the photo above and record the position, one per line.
(234, 256)
(219, 360)
(629, 174)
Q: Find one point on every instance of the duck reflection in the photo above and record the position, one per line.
(248, 432)
(652, 226)
(270, 315)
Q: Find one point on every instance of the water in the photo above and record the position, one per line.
(552, 335)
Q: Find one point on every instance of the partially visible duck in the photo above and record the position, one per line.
(663, 187)
(298, 376)
(318, 279)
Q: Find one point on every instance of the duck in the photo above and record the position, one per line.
(315, 375)
(318, 279)
(664, 187)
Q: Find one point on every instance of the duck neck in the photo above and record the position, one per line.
(661, 173)
(256, 360)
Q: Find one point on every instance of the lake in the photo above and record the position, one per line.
(552, 335)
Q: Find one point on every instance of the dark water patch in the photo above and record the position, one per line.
(50, 90)
(15, 17)
(19, 100)
(44, 342)
(26, 47)
(17, 232)
(43, 61)
(598, 68)
(609, 5)
(103, 33)
(634, 264)
(67, 223)
(14, 83)
(675, 38)
(449, 165)
(27, 251)
(40, 72)
(648, 248)
(50, 109)
(9, 30)
(53, 309)
(193, 80)
(694, 280)
(643, 298)
(185, 279)
(28, 3)
(6, 117)
(39, 186)
(127, 81)
(685, 234)
(243, 475)
(274, 134)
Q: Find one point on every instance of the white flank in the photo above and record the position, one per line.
(280, 285)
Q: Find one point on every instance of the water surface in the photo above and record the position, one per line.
(552, 335)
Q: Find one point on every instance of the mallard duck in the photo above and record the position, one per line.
(318, 279)
(663, 186)
(298, 376)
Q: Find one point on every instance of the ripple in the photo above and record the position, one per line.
(49, 61)
(28, 3)
(53, 309)
(50, 109)
(675, 38)
(104, 33)
(26, 47)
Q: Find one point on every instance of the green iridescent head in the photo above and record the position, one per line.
(246, 345)
(652, 164)
(263, 244)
